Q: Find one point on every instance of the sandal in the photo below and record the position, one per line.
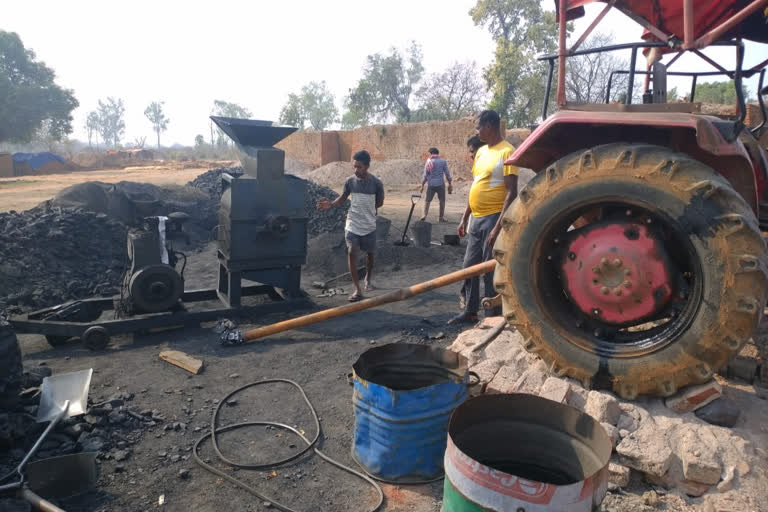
(368, 287)
(355, 297)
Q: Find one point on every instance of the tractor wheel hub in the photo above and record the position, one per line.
(617, 273)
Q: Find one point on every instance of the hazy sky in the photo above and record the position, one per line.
(254, 53)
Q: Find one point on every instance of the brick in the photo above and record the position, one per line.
(555, 389)
(505, 347)
(618, 474)
(646, 450)
(503, 381)
(693, 489)
(487, 369)
(603, 407)
(693, 397)
(490, 322)
(699, 461)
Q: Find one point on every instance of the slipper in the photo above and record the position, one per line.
(369, 287)
(355, 297)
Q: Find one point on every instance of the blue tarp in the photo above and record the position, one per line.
(36, 160)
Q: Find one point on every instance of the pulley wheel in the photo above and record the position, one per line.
(155, 288)
(95, 338)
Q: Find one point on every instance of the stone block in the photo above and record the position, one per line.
(555, 389)
(728, 480)
(504, 347)
(693, 397)
(627, 422)
(603, 407)
(503, 381)
(618, 474)
(487, 369)
(693, 489)
(646, 450)
(490, 322)
(699, 460)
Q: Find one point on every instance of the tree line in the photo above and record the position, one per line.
(393, 86)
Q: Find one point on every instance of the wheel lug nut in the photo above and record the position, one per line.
(627, 272)
(596, 270)
(604, 262)
(617, 292)
(648, 221)
(598, 333)
(628, 212)
(627, 284)
(604, 290)
(617, 262)
(579, 323)
(571, 256)
(556, 241)
(596, 312)
(549, 258)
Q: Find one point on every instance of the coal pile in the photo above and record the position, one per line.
(318, 222)
(49, 256)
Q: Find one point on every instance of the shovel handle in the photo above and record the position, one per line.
(38, 502)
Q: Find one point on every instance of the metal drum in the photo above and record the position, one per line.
(404, 396)
(524, 453)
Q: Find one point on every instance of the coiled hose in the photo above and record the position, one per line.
(311, 445)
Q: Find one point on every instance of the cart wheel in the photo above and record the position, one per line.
(95, 338)
(57, 341)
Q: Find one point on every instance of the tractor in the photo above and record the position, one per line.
(634, 260)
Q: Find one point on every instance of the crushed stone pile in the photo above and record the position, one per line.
(318, 222)
(390, 172)
(49, 256)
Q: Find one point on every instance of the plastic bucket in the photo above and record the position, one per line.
(403, 397)
(422, 233)
(523, 452)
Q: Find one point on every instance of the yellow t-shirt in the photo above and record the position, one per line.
(487, 194)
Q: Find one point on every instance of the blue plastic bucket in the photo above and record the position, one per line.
(403, 398)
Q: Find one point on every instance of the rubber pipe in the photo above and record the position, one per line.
(393, 296)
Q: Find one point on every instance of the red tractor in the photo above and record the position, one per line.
(634, 260)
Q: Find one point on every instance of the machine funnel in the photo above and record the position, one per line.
(253, 132)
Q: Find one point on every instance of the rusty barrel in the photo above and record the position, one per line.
(523, 452)
(404, 395)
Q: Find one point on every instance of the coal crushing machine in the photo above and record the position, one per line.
(261, 238)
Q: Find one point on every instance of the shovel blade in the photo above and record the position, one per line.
(64, 476)
(57, 389)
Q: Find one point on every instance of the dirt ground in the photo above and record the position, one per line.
(318, 357)
(24, 192)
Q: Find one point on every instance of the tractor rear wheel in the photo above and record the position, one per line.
(657, 290)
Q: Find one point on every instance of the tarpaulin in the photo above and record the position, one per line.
(37, 160)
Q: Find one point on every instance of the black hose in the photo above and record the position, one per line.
(215, 430)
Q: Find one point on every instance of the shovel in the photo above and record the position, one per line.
(61, 395)
(414, 198)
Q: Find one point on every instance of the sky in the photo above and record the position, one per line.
(253, 53)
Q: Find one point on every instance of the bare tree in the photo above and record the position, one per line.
(154, 113)
(92, 127)
(455, 93)
(586, 76)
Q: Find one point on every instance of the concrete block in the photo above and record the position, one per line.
(555, 389)
(693, 397)
(646, 450)
(603, 407)
(487, 369)
(618, 474)
(503, 381)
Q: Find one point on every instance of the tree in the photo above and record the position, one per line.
(92, 127)
(29, 95)
(154, 112)
(586, 76)
(226, 109)
(199, 141)
(111, 123)
(384, 91)
(515, 79)
(455, 93)
(721, 93)
(315, 104)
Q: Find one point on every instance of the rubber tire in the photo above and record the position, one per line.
(11, 370)
(716, 220)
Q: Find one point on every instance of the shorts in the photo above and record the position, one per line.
(439, 191)
(366, 243)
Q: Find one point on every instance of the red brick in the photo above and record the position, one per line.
(693, 397)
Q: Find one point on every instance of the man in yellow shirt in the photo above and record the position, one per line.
(493, 190)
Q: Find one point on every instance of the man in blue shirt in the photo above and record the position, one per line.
(435, 172)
